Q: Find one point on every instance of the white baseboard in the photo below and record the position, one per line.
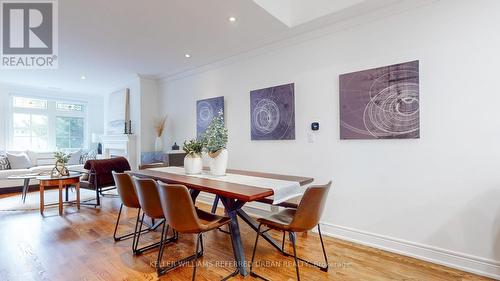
(464, 262)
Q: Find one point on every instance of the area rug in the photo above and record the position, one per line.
(14, 203)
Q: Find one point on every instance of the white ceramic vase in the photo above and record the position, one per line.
(218, 162)
(193, 164)
(158, 144)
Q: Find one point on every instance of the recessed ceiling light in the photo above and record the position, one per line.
(187, 55)
(83, 77)
(232, 19)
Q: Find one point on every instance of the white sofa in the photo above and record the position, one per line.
(43, 162)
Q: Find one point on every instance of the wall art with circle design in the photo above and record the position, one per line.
(206, 110)
(273, 113)
(381, 103)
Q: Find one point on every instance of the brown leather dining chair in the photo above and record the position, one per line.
(302, 219)
(184, 217)
(128, 196)
(149, 200)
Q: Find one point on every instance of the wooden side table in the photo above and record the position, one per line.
(62, 182)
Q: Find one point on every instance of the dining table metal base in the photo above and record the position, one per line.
(232, 206)
(233, 209)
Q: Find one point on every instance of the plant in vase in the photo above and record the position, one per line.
(215, 140)
(193, 163)
(60, 169)
(160, 129)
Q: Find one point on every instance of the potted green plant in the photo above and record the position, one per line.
(60, 169)
(215, 141)
(193, 163)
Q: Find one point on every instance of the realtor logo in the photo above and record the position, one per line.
(29, 34)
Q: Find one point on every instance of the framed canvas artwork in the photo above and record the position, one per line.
(273, 113)
(206, 110)
(381, 103)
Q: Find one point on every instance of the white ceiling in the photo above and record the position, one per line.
(112, 41)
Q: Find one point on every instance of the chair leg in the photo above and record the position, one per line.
(160, 252)
(325, 269)
(138, 235)
(252, 273)
(164, 270)
(199, 240)
(139, 251)
(201, 244)
(322, 268)
(283, 242)
(117, 221)
(292, 237)
(97, 196)
(135, 229)
(126, 236)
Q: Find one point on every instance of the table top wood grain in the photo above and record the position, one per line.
(230, 190)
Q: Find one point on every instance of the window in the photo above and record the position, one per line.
(62, 106)
(30, 130)
(21, 102)
(43, 124)
(69, 132)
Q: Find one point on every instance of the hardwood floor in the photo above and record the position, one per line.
(79, 246)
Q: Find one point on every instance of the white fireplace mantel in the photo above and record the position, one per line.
(120, 145)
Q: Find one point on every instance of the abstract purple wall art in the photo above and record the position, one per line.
(381, 103)
(273, 113)
(206, 110)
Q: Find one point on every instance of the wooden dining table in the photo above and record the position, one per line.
(233, 196)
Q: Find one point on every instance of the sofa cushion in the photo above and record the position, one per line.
(33, 156)
(41, 169)
(48, 168)
(4, 162)
(19, 161)
(4, 174)
(77, 167)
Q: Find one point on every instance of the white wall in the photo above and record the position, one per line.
(144, 111)
(95, 107)
(437, 197)
(150, 113)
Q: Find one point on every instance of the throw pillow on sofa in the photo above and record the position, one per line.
(88, 155)
(4, 162)
(33, 156)
(74, 158)
(19, 161)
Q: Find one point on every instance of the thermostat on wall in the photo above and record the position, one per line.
(315, 126)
